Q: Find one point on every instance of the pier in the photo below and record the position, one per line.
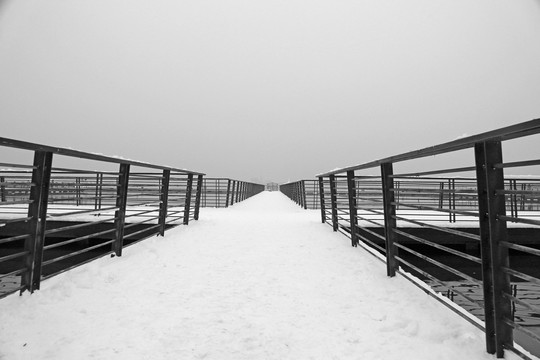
(262, 279)
(466, 236)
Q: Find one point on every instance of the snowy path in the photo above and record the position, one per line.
(263, 279)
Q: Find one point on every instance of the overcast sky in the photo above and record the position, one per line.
(265, 90)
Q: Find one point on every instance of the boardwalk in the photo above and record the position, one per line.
(260, 280)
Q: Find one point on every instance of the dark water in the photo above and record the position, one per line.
(522, 315)
(463, 291)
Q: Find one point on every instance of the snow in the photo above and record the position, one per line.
(263, 279)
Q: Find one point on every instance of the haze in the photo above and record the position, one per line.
(265, 90)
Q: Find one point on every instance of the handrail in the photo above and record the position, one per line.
(86, 155)
(53, 219)
(507, 133)
(456, 233)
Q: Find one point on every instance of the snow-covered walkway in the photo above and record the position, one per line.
(263, 279)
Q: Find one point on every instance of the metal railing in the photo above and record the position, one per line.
(472, 235)
(54, 218)
(223, 192)
(440, 192)
(303, 192)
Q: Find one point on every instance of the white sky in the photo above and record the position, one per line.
(266, 91)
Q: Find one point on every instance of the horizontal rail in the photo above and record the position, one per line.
(507, 133)
(447, 229)
(85, 155)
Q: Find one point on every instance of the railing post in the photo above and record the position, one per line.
(78, 190)
(238, 191)
(164, 201)
(303, 187)
(198, 196)
(228, 192)
(493, 231)
(187, 205)
(387, 180)
(37, 211)
(99, 190)
(513, 198)
(321, 196)
(333, 200)
(233, 193)
(121, 204)
(204, 194)
(522, 197)
(2, 189)
(452, 199)
(351, 188)
(441, 195)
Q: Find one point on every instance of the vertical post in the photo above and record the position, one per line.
(303, 186)
(452, 199)
(353, 220)
(96, 197)
(233, 191)
(441, 195)
(164, 201)
(187, 205)
(121, 204)
(78, 191)
(493, 231)
(215, 189)
(2, 189)
(522, 197)
(389, 204)
(198, 196)
(513, 198)
(228, 192)
(204, 193)
(397, 193)
(100, 195)
(238, 191)
(321, 197)
(333, 200)
(37, 211)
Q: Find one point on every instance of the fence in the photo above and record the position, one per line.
(440, 192)
(53, 218)
(303, 192)
(222, 192)
(421, 226)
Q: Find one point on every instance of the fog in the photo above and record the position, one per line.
(265, 91)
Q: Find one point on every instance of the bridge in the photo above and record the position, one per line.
(462, 232)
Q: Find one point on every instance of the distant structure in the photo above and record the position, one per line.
(272, 187)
